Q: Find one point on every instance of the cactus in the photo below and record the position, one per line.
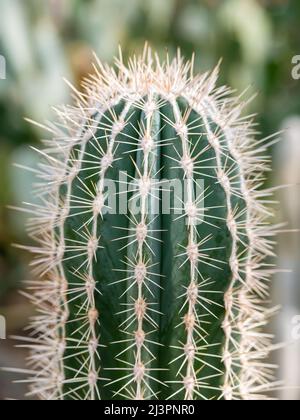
(135, 301)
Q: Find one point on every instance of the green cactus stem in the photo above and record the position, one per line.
(153, 234)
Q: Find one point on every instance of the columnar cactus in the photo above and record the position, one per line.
(160, 296)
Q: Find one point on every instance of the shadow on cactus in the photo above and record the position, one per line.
(153, 235)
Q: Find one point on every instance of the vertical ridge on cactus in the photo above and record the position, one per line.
(139, 299)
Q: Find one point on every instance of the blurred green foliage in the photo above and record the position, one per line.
(44, 41)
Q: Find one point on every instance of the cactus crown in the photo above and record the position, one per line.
(136, 301)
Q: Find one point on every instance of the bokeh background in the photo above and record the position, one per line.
(44, 41)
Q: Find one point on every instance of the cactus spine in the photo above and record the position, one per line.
(143, 303)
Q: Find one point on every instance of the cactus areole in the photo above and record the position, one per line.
(152, 234)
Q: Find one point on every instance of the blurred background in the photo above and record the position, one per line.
(44, 41)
